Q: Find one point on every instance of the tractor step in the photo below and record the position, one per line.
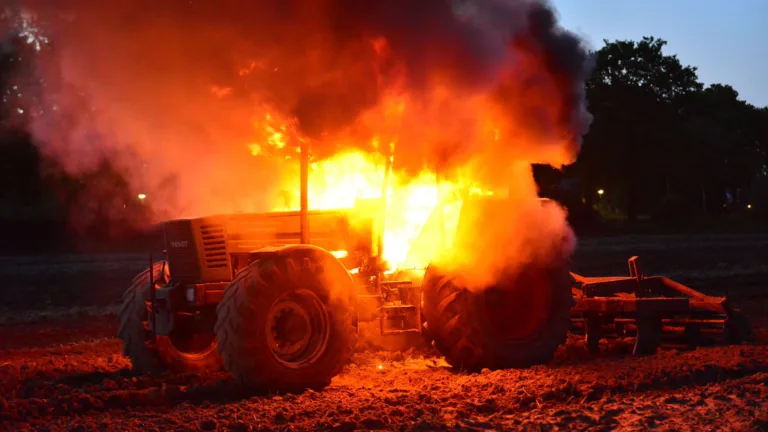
(400, 332)
(398, 307)
(396, 284)
(403, 317)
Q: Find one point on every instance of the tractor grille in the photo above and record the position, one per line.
(182, 261)
(214, 245)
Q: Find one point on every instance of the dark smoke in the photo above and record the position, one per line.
(469, 41)
(566, 58)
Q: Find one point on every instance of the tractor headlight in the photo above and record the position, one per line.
(191, 294)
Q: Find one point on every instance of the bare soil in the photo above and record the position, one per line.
(61, 367)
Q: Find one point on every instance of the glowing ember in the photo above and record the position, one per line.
(255, 149)
(340, 254)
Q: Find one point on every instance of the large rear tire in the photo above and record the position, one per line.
(286, 322)
(179, 352)
(518, 323)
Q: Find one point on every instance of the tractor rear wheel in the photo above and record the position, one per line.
(286, 322)
(518, 323)
(182, 351)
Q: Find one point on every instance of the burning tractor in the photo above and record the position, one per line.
(277, 300)
(243, 291)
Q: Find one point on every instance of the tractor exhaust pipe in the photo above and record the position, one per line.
(384, 202)
(383, 218)
(304, 191)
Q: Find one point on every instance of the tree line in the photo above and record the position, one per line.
(662, 147)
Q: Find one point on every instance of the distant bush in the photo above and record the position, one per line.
(759, 198)
(608, 212)
(674, 213)
(586, 221)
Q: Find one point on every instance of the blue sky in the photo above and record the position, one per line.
(726, 39)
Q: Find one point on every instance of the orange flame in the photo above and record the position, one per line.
(339, 181)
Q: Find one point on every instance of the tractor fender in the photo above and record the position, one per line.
(333, 266)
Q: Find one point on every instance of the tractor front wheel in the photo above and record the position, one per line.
(182, 351)
(285, 322)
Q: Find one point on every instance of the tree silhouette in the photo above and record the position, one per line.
(724, 136)
(636, 95)
(659, 136)
(40, 203)
(20, 178)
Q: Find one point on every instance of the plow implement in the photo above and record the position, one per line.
(655, 310)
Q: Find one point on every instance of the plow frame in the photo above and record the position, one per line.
(652, 307)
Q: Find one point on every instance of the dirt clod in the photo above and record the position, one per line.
(208, 425)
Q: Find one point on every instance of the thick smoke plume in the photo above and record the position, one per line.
(176, 92)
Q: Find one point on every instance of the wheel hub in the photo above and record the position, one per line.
(291, 328)
(297, 328)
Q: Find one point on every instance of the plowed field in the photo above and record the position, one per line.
(61, 367)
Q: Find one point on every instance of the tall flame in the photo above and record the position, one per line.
(359, 172)
(339, 181)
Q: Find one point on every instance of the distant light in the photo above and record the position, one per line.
(749, 206)
(600, 192)
(381, 366)
(142, 196)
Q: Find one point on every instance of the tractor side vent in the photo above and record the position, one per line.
(214, 245)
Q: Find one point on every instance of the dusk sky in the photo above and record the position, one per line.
(726, 40)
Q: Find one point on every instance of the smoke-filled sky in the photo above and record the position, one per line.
(183, 87)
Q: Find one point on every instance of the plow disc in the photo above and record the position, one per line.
(655, 310)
